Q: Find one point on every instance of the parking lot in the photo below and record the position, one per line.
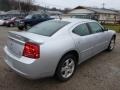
(101, 72)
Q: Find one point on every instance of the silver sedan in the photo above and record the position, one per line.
(56, 47)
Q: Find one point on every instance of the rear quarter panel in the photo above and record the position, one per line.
(53, 50)
(110, 34)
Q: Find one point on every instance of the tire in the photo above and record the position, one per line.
(27, 26)
(112, 44)
(20, 28)
(11, 25)
(68, 64)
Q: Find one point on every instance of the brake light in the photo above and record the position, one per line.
(31, 50)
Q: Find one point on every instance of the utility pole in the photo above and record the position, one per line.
(19, 6)
(103, 5)
(45, 9)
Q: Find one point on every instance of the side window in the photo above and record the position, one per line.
(38, 16)
(44, 16)
(95, 27)
(34, 17)
(81, 30)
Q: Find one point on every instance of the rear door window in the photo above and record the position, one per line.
(95, 27)
(81, 30)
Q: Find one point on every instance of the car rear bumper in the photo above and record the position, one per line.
(28, 70)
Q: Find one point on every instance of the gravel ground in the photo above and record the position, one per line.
(101, 72)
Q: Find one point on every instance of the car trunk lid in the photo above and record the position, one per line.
(17, 40)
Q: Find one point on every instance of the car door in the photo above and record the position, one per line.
(35, 19)
(40, 18)
(83, 40)
(100, 37)
(44, 17)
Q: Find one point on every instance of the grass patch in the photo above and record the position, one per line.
(115, 27)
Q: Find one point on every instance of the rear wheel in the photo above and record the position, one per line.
(21, 28)
(112, 44)
(27, 26)
(11, 25)
(66, 67)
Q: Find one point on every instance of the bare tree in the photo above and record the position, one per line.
(4, 5)
(22, 5)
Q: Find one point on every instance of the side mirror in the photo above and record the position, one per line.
(105, 29)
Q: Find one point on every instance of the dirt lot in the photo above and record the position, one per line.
(101, 72)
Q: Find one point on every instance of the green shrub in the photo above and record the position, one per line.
(115, 27)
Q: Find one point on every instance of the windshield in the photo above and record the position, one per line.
(28, 17)
(48, 28)
(13, 18)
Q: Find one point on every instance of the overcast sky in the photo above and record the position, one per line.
(73, 3)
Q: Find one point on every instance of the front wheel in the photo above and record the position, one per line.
(66, 67)
(112, 44)
(27, 26)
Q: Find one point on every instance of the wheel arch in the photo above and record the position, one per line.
(114, 35)
(74, 52)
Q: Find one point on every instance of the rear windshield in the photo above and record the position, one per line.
(48, 28)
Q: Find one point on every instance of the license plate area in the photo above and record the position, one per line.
(14, 47)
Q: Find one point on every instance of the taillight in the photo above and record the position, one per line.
(31, 50)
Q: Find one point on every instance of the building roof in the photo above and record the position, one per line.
(47, 12)
(55, 12)
(13, 12)
(37, 12)
(98, 10)
(102, 10)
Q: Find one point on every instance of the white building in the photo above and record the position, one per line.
(100, 14)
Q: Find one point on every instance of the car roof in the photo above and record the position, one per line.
(76, 20)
